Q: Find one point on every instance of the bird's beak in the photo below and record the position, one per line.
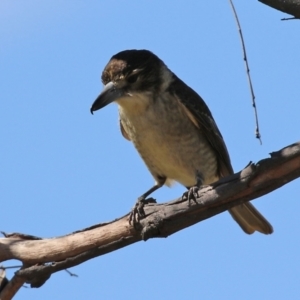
(109, 94)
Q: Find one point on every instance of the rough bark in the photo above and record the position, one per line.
(42, 257)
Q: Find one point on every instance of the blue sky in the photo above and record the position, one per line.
(63, 169)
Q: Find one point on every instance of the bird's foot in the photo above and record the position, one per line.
(192, 194)
(137, 213)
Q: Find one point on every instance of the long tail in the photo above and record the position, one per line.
(250, 219)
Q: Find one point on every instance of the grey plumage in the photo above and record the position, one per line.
(171, 127)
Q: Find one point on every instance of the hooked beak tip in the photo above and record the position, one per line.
(109, 94)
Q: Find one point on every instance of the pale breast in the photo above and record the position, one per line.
(167, 140)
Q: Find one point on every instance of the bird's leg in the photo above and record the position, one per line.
(138, 212)
(192, 193)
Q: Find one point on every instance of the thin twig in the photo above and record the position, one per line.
(70, 273)
(257, 133)
(288, 19)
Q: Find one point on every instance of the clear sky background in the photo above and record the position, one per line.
(63, 169)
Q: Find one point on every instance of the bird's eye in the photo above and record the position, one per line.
(133, 78)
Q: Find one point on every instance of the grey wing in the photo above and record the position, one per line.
(246, 215)
(201, 116)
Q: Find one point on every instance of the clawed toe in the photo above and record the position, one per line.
(192, 194)
(137, 213)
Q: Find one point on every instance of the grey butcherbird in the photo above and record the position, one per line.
(171, 127)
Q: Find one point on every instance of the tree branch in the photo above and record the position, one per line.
(42, 257)
(291, 7)
(12, 287)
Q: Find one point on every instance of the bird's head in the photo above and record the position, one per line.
(128, 73)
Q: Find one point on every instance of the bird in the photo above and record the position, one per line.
(171, 127)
